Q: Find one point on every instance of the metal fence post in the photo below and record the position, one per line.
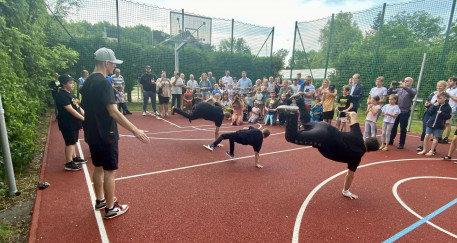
(378, 43)
(231, 45)
(446, 41)
(293, 50)
(417, 88)
(271, 51)
(329, 45)
(6, 153)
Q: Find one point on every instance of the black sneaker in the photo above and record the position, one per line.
(419, 148)
(115, 211)
(401, 146)
(209, 147)
(72, 166)
(229, 155)
(444, 140)
(78, 160)
(101, 204)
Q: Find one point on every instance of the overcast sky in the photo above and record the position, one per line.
(281, 14)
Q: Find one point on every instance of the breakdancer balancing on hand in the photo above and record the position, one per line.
(247, 136)
(206, 111)
(346, 147)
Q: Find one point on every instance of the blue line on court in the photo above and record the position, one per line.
(420, 222)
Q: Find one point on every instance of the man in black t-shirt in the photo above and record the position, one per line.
(148, 88)
(206, 111)
(247, 136)
(70, 117)
(346, 147)
(100, 131)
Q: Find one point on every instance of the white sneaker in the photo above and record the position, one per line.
(156, 113)
(209, 147)
(144, 113)
(287, 108)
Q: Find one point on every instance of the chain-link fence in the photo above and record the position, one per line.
(388, 41)
(168, 40)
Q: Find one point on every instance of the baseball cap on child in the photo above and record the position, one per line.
(105, 54)
(64, 78)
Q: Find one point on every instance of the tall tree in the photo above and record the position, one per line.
(239, 46)
(345, 35)
(423, 25)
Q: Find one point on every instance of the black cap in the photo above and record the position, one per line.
(331, 87)
(64, 78)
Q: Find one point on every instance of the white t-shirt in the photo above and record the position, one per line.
(380, 92)
(176, 89)
(372, 117)
(390, 109)
(452, 103)
(192, 84)
(226, 81)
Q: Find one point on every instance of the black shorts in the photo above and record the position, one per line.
(455, 133)
(328, 114)
(164, 100)
(70, 136)
(105, 155)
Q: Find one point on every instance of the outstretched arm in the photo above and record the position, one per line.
(257, 157)
(119, 118)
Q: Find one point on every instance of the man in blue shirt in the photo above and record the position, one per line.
(244, 83)
(300, 81)
(307, 91)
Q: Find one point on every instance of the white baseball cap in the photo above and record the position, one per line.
(105, 54)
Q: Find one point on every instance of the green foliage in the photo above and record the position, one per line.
(239, 46)
(6, 231)
(404, 39)
(26, 60)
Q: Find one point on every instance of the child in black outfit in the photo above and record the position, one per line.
(70, 117)
(247, 136)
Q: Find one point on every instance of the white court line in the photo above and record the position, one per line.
(394, 190)
(160, 118)
(98, 217)
(205, 164)
(318, 187)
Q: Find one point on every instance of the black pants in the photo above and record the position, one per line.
(177, 98)
(123, 106)
(231, 137)
(402, 119)
(201, 111)
(309, 136)
(149, 95)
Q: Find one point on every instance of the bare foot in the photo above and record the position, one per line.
(259, 166)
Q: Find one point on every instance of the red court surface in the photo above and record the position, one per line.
(179, 192)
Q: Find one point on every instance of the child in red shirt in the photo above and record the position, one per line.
(188, 97)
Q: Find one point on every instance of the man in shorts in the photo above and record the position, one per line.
(100, 131)
(346, 147)
(247, 136)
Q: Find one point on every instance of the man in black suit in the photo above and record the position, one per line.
(356, 92)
